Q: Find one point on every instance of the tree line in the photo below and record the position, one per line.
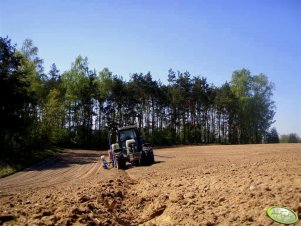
(290, 138)
(78, 107)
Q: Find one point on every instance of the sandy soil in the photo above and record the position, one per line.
(191, 185)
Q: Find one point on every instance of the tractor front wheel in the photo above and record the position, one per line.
(120, 164)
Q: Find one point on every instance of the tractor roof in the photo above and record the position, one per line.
(127, 127)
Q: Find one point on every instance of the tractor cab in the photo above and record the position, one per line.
(129, 133)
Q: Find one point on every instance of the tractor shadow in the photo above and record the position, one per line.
(129, 166)
(165, 156)
(157, 162)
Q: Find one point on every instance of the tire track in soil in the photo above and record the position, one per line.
(69, 188)
(64, 167)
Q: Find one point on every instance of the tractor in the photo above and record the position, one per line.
(126, 146)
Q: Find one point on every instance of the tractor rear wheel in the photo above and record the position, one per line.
(151, 158)
(143, 159)
(137, 163)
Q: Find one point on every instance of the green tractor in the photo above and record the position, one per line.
(126, 146)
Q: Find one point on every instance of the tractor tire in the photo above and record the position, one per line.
(143, 159)
(137, 163)
(120, 163)
(151, 158)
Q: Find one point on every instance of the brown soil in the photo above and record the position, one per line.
(191, 185)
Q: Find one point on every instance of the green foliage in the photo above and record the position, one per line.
(290, 138)
(15, 99)
(293, 138)
(256, 110)
(53, 113)
(272, 136)
(80, 94)
(284, 138)
(162, 138)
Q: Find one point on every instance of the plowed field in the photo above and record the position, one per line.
(189, 185)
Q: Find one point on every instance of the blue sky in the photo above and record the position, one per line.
(209, 38)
